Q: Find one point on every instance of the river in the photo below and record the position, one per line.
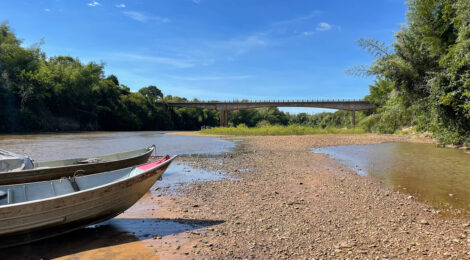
(47, 147)
(438, 176)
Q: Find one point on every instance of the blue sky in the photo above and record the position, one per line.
(216, 49)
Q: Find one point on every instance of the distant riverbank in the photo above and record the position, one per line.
(279, 130)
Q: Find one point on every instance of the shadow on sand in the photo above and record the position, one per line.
(110, 233)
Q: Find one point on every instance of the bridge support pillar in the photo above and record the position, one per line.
(353, 119)
(221, 112)
(224, 118)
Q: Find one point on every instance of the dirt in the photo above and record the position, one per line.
(283, 201)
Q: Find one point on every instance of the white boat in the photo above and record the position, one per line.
(38, 210)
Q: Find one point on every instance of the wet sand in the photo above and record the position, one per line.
(282, 201)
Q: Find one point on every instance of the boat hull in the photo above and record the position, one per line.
(30, 222)
(44, 174)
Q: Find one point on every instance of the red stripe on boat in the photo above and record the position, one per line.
(150, 165)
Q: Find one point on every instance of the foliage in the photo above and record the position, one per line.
(242, 129)
(61, 93)
(423, 78)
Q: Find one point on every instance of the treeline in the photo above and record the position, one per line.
(423, 78)
(61, 93)
(273, 116)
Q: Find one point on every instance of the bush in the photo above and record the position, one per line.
(278, 130)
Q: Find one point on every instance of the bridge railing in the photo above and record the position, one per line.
(273, 101)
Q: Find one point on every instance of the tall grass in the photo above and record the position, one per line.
(278, 130)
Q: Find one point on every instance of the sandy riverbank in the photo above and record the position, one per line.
(282, 202)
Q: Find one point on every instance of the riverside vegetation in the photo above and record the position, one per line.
(278, 130)
(422, 83)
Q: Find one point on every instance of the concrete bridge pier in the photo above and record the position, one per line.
(353, 119)
(223, 117)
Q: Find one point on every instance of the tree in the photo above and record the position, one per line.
(423, 81)
(152, 93)
(451, 87)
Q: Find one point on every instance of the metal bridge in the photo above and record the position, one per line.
(225, 106)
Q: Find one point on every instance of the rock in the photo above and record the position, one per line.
(345, 244)
(424, 222)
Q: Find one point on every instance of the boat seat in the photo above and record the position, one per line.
(7, 196)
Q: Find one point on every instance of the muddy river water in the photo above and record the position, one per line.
(438, 176)
(47, 147)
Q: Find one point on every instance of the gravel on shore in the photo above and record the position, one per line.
(284, 201)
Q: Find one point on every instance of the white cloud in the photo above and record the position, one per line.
(196, 1)
(321, 27)
(143, 18)
(47, 10)
(94, 3)
(207, 78)
(120, 5)
(307, 33)
(175, 62)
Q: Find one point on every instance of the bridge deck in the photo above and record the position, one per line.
(350, 105)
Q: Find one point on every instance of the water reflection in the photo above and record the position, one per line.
(439, 176)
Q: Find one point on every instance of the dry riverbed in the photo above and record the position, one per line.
(283, 201)
(292, 203)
